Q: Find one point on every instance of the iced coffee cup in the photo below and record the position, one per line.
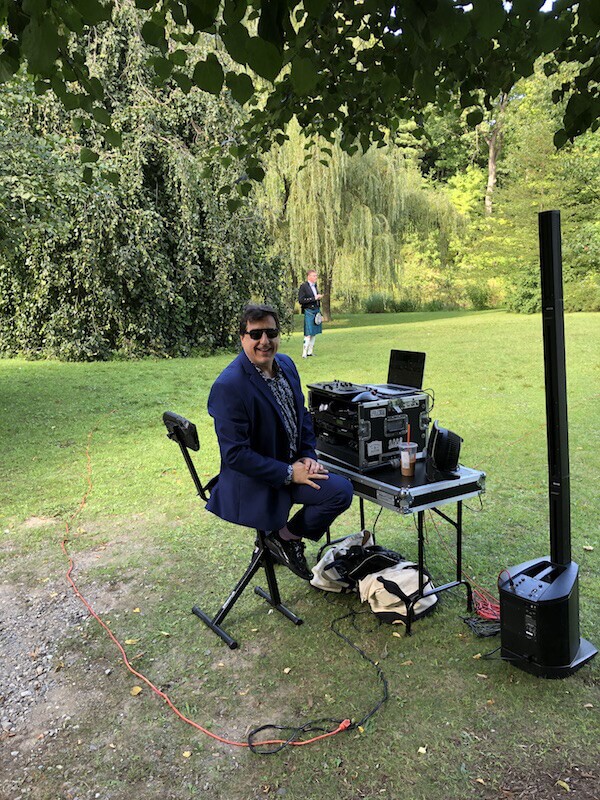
(408, 456)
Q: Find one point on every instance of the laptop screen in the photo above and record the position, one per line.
(406, 368)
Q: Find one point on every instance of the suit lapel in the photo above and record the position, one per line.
(260, 384)
(291, 379)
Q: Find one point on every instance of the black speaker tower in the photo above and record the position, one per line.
(539, 599)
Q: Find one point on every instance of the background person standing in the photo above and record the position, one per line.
(310, 303)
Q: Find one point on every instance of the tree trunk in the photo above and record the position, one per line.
(494, 143)
(325, 290)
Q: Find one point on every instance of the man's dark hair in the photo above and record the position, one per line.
(254, 313)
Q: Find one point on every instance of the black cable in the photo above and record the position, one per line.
(431, 395)
(309, 727)
(315, 726)
(378, 669)
(489, 655)
(476, 510)
(482, 627)
(376, 520)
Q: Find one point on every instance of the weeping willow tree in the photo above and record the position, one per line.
(350, 217)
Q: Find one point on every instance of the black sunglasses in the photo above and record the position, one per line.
(256, 333)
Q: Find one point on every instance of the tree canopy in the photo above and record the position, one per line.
(344, 67)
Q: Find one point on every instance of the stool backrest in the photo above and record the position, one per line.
(181, 430)
(184, 432)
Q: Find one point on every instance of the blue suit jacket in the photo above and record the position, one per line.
(254, 445)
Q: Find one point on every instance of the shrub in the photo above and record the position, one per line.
(374, 304)
(156, 265)
(524, 294)
(583, 294)
(479, 296)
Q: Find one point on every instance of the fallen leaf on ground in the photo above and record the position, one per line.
(481, 675)
(477, 655)
(165, 633)
(588, 705)
(135, 691)
(588, 547)
(480, 780)
(131, 641)
(407, 663)
(187, 753)
(563, 785)
(136, 610)
(422, 750)
(287, 670)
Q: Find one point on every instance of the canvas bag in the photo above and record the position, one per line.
(325, 574)
(387, 592)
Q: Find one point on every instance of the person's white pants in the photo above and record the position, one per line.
(309, 343)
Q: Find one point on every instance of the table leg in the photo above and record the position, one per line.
(457, 525)
(420, 526)
(459, 540)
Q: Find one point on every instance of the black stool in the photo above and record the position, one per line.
(185, 434)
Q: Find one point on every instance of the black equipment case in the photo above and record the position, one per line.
(362, 426)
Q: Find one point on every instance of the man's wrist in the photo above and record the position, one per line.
(289, 476)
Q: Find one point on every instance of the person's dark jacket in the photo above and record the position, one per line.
(306, 297)
(254, 445)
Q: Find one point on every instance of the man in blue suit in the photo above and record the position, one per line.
(266, 439)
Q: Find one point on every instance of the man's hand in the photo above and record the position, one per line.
(307, 470)
(319, 296)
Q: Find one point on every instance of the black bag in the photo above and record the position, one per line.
(359, 561)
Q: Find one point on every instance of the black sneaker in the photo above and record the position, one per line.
(290, 554)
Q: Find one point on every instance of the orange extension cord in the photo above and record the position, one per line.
(344, 725)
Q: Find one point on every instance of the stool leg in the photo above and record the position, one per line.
(261, 557)
(214, 623)
(274, 598)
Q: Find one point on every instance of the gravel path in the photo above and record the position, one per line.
(39, 706)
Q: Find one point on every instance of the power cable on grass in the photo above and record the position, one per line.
(275, 745)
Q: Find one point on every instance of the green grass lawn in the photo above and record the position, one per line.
(143, 540)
